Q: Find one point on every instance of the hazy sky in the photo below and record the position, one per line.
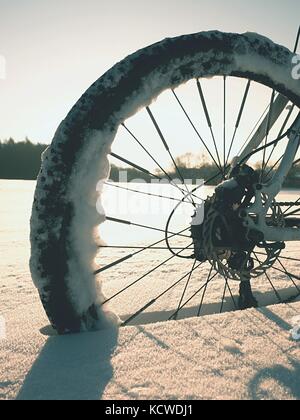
(55, 49)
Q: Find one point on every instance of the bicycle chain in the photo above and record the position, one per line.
(288, 204)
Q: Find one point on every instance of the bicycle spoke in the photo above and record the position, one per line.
(153, 301)
(119, 261)
(208, 120)
(223, 297)
(231, 294)
(161, 248)
(204, 292)
(186, 285)
(271, 283)
(267, 132)
(178, 200)
(158, 177)
(192, 297)
(280, 134)
(145, 193)
(274, 289)
(264, 127)
(274, 166)
(292, 213)
(135, 166)
(253, 130)
(294, 276)
(284, 258)
(167, 149)
(279, 160)
(224, 124)
(226, 286)
(153, 159)
(291, 206)
(196, 131)
(214, 177)
(297, 41)
(237, 124)
(143, 276)
(148, 153)
(141, 169)
(287, 273)
(129, 223)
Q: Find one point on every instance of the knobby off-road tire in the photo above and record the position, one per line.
(64, 211)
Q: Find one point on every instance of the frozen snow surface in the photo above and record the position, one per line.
(245, 355)
(236, 355)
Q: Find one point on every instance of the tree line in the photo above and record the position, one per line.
(22, 160)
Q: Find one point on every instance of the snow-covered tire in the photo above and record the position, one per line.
(64, 211)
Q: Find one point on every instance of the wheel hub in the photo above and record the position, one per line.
(224, 238)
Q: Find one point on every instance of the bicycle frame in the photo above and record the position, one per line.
(266, 193)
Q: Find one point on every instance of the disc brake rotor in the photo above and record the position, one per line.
(233, 263)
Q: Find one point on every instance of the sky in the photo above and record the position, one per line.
(54, 50)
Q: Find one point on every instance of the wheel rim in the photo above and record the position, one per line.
(82, 126)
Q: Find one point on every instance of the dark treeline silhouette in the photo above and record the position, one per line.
(22, 160)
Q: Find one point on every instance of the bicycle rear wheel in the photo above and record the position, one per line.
(64, 215)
